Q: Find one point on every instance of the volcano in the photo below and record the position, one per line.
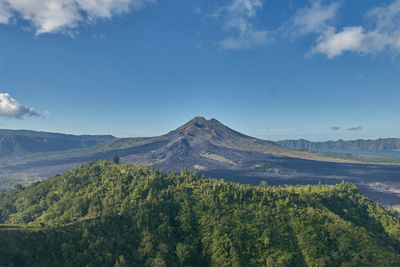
(200, 144)
(215, 150)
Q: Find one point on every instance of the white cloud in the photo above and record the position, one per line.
(315, 18)
(9, 107)
(5, 14)
(354, 39)
(382, 30)
(53, 16)
(238, 20)
(334, 44)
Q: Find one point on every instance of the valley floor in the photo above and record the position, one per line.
(380, 183)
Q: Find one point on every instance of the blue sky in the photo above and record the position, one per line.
(272, 69)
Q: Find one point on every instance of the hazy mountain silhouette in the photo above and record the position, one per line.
(381, 144)
(24, 141)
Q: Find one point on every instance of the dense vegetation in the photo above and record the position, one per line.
(382, 144)
(133, 216)
(265, 166)
(24, 141)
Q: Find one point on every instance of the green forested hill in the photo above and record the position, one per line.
(134, 216)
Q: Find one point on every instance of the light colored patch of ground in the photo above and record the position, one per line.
(385, 187)
(396, 207)
(199, 167)
(217, 158)
(394, 190)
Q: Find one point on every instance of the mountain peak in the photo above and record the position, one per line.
(202, 124)
(201, 121)
(198, 119)
(202, 130)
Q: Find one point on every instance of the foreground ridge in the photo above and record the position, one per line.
(105, 214)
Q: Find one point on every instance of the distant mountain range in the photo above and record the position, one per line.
(23, 141)
(198, 134)
(200, 145)
(382, 144)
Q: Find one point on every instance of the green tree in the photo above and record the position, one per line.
(115, 159)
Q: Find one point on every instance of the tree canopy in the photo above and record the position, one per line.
(135, 216)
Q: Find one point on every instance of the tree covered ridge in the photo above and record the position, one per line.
(131, 215)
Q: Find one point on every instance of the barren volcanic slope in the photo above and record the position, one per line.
(199, 145)
(203, 144)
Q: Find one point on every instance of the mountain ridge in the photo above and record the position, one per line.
(381, 144)
(27, 141)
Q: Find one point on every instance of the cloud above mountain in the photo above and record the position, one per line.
(242, 22)
(54, 16)
(238, 20)
(380, 32)
(11, 108)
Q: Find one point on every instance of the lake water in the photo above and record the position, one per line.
(393, 154)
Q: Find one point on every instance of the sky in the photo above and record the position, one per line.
(276, 69)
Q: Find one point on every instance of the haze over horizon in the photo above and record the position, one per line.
(318, 70)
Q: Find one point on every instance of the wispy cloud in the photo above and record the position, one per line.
(335, 128)
(10, 108)
(358, 128)
(381, 31)
(314, 18)
(238, 20)
(55, 16)
(5, 13)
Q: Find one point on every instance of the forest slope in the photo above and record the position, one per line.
(132, 215)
